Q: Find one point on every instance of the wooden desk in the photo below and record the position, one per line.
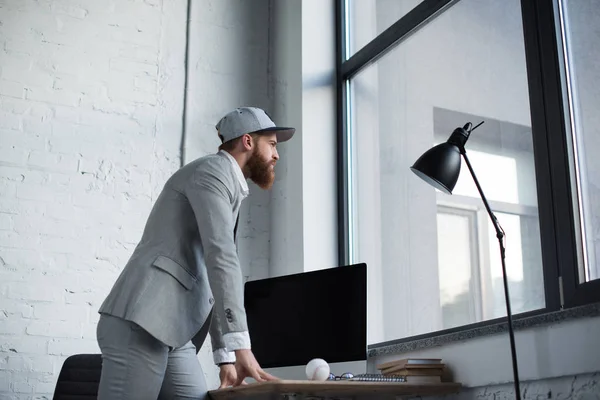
(337, 389)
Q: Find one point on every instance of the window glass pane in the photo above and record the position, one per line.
(522, 261)
(368, 18)
(581, 19)
(442, 77)
(457, 248)
(490, 168)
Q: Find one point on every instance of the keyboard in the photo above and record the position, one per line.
(377, 378)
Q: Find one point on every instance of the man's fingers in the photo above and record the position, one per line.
(239, 380)
(256, 376)
(268, 377)
(224, 383)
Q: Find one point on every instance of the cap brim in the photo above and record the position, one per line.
(283, 134)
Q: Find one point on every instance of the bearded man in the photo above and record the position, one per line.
(184, 279)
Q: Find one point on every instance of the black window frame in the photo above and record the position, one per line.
(557, 218)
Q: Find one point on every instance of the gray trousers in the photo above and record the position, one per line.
(135, 365)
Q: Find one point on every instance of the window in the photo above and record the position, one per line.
(461, 298)
(402, 105)
(502, 156)
(370, 18)
(423, 69)
(581, 39)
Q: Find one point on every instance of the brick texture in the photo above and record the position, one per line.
(91, 105)
(87, 89)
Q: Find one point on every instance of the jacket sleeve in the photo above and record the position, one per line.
(210, 193)
(220, 352)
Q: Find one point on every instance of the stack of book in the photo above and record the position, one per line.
(415, 370)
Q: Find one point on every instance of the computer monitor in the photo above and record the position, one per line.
(319, 314)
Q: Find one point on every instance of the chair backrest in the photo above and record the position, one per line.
(79, 378)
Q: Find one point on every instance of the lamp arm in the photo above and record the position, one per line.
(500, 235)
(499, 231)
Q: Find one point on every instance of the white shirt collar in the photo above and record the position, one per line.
(238, 172)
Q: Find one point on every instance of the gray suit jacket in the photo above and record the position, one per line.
(185, 268)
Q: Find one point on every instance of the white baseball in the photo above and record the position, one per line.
(317, 369)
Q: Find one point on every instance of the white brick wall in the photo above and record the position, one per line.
(90, 124)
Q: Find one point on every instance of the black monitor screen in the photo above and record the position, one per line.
(319, 314)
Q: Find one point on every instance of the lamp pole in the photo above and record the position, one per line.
(500, 235)
(440, 167)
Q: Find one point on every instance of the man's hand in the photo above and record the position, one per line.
(228, 376)
(247, 367)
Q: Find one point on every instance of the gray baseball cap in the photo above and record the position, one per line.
(245, 120)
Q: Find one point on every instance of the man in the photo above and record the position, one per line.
(185, 273)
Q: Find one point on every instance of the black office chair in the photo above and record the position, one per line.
(79, 378)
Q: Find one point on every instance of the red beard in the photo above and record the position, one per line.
(261, 172)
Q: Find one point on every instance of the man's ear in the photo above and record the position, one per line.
(247, 142)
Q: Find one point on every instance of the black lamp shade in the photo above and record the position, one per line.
(439, 166)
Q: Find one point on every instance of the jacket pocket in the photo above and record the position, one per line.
(172, 268)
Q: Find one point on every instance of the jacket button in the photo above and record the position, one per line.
(211, 300)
